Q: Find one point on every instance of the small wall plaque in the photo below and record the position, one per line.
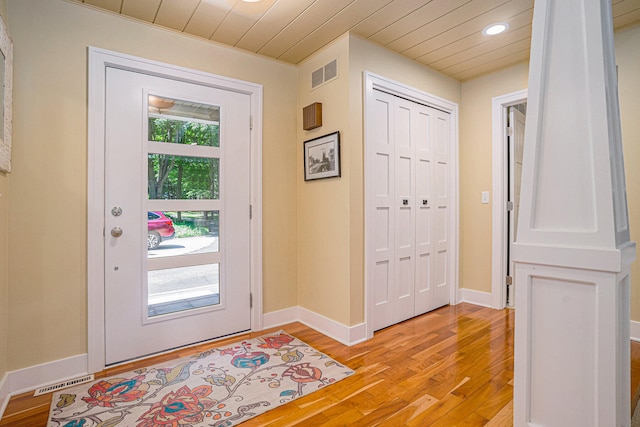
(312, 116)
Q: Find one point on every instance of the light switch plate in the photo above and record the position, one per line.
(485, 197)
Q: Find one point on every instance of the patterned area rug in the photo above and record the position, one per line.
(220, 387)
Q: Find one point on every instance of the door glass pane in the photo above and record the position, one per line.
(178, 289)
(177, 177)
(183, 122)
(182, 233)
(180, 277)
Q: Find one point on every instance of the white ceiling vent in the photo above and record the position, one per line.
(324, 74)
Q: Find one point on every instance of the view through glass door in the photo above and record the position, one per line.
(177, 214)
(175, 128)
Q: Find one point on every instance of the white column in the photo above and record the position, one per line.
(573, 251)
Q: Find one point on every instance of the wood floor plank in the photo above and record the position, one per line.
(451, 367)
(504, 417)
(494, 405)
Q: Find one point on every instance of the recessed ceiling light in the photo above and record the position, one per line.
(494, 29)
(251, 1)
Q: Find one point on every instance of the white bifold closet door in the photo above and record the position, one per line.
(412, 247)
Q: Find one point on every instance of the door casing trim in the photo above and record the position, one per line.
(499, 247)
(99, 60)
(373, 82)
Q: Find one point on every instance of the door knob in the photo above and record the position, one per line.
(116, 231)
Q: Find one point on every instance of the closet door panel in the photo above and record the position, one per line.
(441, 137)
(404, 183)
(422, 131)
(384, 219)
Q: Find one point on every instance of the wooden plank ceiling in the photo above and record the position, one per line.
(445, 35)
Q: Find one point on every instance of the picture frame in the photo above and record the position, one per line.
(6, 87)
(322, 157)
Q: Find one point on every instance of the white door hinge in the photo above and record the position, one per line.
(250, 300)
(509, 280)
(509, 206)
(250, 211)
(250, 122)
(510, 131)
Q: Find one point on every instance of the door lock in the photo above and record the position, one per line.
(116, 231)
(116, 211)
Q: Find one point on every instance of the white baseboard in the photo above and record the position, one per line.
(475, 297)
(5, 394)
(280, 317)
(635, 331)
(347, 335)
(33, 377)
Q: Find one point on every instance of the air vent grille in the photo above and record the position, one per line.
(331, 70)
(317, 77)
(63, 384)
(324, 74)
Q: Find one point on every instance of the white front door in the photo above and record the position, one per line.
(412, 254)
(177, 201)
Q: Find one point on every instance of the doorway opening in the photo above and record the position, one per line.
(506, 200)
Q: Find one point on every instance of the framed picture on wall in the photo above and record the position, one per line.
(322, 157)
(6, 83)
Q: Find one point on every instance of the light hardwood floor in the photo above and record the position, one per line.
(451, 367)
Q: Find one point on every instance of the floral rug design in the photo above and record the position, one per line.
(220, 387)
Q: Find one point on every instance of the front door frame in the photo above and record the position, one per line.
(499, 246)
(99, 60)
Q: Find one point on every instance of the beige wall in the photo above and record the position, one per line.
(476, 171)
(4, 250)
(47, 237)
(323, 205)
(331, 212)
(628, 60)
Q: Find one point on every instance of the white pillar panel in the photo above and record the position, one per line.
(573, 251)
